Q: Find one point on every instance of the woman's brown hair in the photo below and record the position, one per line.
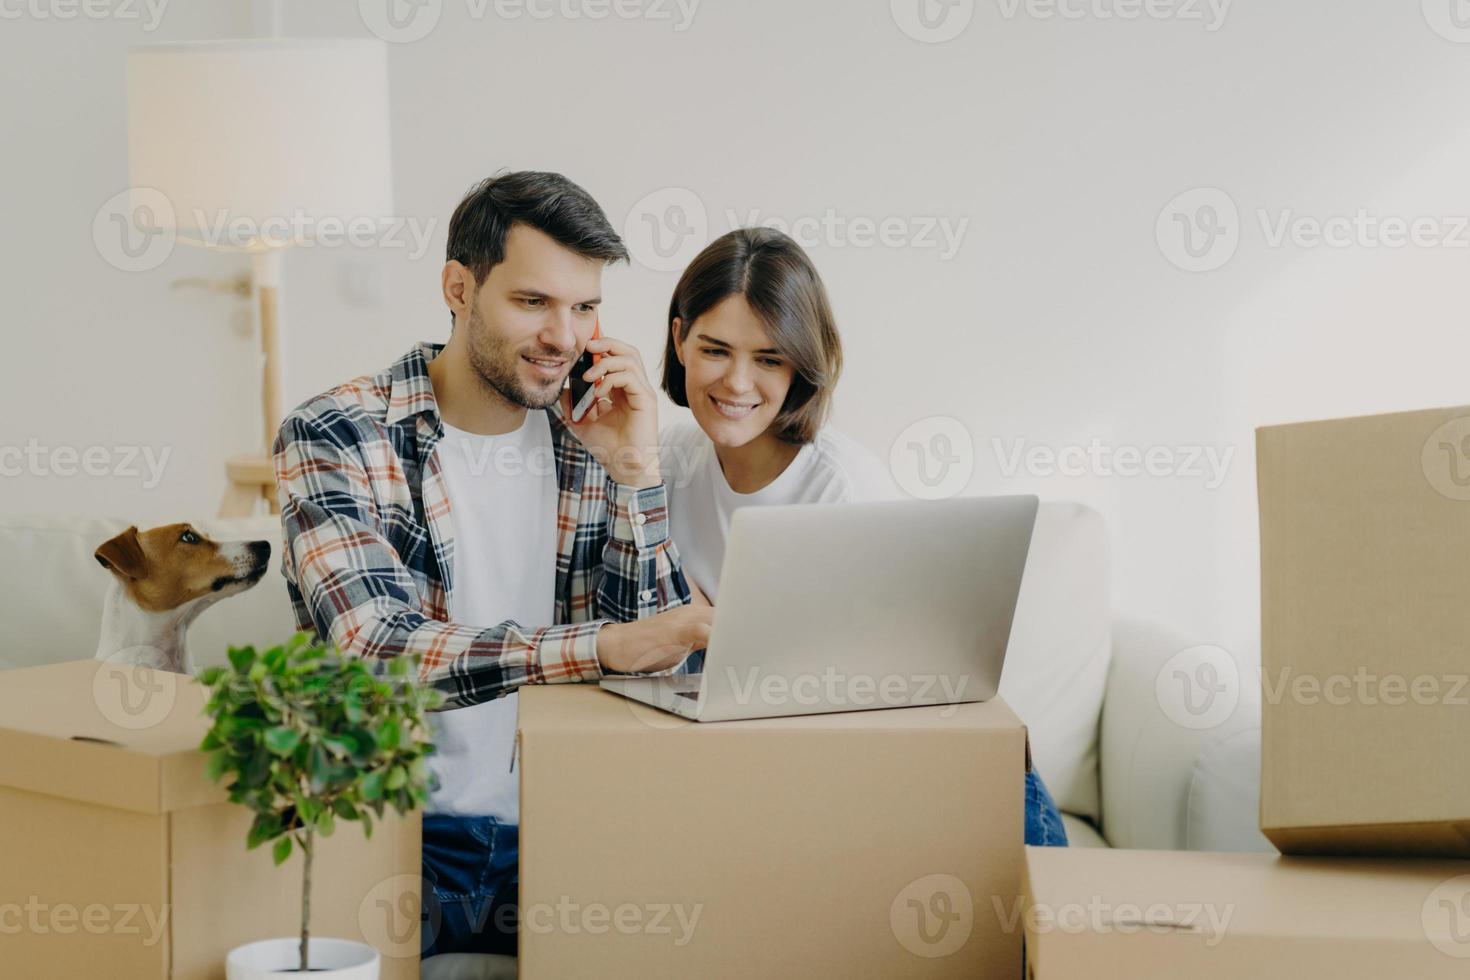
(782, 286)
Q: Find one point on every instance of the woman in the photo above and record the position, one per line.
(753, 353)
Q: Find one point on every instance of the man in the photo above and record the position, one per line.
(447, 507)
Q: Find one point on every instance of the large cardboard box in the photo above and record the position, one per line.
(867, 844)
(120, 858)
(1105, 914)
(1365, 634)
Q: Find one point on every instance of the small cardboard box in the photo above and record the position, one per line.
(1365, 634)
(1119, 915)
(120, 858)
(867, 844)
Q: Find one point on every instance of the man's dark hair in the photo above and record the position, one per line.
(545, 201)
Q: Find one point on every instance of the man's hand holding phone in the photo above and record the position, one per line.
(620, 428)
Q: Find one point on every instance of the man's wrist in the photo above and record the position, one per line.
(638, 479)
(635, 465)
(607, 644)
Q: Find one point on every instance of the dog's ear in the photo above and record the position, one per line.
(123, 554)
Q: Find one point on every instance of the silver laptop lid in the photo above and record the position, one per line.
(843, 607)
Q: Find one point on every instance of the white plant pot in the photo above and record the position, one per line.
(331, 959)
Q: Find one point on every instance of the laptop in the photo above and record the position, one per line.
(855, 606)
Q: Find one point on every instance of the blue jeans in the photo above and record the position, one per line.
(1043, 826)
(1043, 820)
(471, 873)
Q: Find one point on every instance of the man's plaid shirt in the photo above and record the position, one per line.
(369, 542)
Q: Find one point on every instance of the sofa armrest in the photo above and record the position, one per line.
(1165, 696)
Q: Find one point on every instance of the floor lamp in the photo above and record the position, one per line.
(256, 146)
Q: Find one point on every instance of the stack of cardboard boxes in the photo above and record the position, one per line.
(864, 844)
(1365, 784)
(120, 858)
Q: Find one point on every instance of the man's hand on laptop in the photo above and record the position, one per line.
(620, 430)
(657, 643)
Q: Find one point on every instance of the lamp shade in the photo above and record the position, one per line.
(268, 139)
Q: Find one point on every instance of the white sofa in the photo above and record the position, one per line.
(1085, 682)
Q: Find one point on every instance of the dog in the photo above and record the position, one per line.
(162, 579)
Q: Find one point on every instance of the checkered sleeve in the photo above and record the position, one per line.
(360, 595)
(642, 574)
(641, 570)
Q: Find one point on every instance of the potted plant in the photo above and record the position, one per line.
(312, 737)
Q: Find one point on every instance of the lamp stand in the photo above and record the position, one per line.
(251, 478)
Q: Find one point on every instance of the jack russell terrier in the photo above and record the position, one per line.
(161, 580)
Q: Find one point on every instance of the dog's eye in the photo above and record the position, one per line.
(189, 537)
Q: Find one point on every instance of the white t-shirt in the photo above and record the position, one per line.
(831, 469)
(502, 498)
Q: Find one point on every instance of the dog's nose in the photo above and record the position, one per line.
(260, 551)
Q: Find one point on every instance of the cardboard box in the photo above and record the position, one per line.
(1109, 914)
(866, 844)
(1365, 634)
(119, 858)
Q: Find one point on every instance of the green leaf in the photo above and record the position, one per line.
(241, 658)
(307, 810)
(339, 745)
(266, 826)
(397, 777)
(282, 850)
(372, 786)
(388, 735)
(255, 770)
(364, 744)
(344, 808)
(281, 740)
(215, 767)
(318, 768)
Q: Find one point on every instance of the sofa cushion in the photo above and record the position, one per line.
(1225, 795)
(51, 590)
(1056, 666)
(1081, 833)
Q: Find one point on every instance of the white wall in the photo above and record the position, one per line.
(1058, 320)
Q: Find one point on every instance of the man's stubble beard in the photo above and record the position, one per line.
(498, 367)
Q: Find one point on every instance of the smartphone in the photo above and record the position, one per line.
(583, 391)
